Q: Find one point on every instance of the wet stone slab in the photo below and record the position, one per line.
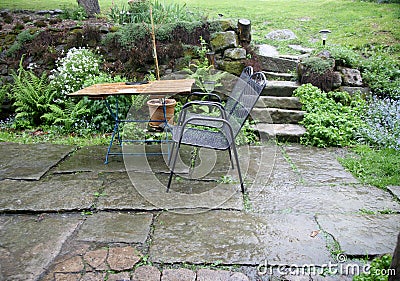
(237, 238)
(362, 235)
(116, 227)
(395, 190)
(319, 166)
(53, 195)
(120, 194)
(199, 163)
(276, 171)
(260, 165)
(90, 159)
(27, 245)
(183, 195)
(147, 191)
(319, 199)
(30, 161)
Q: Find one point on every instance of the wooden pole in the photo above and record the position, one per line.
(244, 30)
(153, 37)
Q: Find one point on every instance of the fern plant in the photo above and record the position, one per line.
(33, 96)
(70, 117)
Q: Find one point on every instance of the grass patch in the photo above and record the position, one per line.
(27, 137)
(380, 168)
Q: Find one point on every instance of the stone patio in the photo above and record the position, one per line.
(67, 216)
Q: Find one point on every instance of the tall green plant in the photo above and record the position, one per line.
(202, 70)
(33, 96)
(163, 12)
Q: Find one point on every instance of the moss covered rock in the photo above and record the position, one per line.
(221, 41)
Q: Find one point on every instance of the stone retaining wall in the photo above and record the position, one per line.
(42, 37)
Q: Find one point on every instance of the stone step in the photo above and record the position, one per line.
(279, 102)
(278, 76)
(277, 115)
(281, 132)
(278, 64)
(280, 88)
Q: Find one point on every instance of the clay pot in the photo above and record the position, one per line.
(157, 113)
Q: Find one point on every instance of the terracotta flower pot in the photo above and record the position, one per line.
(157, 113)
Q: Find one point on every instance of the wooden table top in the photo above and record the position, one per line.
(158, 87)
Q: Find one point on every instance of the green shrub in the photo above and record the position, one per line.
(22, 38)
(130, 34)
(4, 90)
(98, 114)
(317, 65)
(329, 123)
(382, 73)
(344, 55)
(77, 13)
(33, 96)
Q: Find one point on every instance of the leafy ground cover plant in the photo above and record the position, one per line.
(381, 127)
(331, 118)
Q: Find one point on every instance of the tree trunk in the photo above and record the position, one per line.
(91, 7)
(244, 30)
(396, 262)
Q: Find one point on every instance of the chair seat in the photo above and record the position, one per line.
(201, 138)
(198, 122)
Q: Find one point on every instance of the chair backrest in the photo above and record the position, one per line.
(246, 101)
(238, 88)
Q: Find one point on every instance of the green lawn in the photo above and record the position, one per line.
(353, 23)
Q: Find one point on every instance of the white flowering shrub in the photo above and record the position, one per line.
(79, 65)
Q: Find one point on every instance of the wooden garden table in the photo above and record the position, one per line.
(156, 89)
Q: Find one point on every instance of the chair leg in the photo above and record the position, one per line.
(230, 158)
(170, 153)
(238, 167)
(172, 167)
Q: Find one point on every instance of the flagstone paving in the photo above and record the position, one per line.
(30, 161)
(64, 215)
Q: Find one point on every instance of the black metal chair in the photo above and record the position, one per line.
(217, 133)
(213, 101)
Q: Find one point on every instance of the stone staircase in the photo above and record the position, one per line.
(278, 112)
